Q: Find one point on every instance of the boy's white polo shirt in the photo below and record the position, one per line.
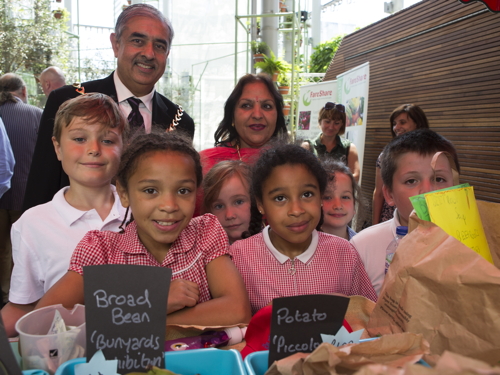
(371, 244)
(43, 240)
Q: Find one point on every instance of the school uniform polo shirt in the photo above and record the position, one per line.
(43, 240)
(198, 244)
(371, 244)
(329, 265)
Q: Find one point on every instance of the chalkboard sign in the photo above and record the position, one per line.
(298, 322)
(8, 363)
(126, 310)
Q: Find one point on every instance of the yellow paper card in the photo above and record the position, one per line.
(455, 211)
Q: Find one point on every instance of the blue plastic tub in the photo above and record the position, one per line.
(256, 362)
(14, 346)
(208, 361)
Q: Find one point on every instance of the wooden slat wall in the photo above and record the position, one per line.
(452, 72)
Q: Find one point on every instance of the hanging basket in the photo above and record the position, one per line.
(258, 57)
(284, 90)
(275, 76)
(286, 109)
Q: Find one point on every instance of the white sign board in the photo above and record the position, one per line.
(312, 98)
(352, 91)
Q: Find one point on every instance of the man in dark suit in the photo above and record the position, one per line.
(21, 124)
(141, 43)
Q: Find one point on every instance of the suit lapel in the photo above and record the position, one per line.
(104, 86)
(162, 115)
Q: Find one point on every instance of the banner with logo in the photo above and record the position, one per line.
(312, 98)
(352, 91)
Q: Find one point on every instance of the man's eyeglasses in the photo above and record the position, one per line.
(338, 107)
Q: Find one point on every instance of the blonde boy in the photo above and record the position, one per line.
(406, 171)
(88, 140)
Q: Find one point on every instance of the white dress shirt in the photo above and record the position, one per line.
(146, 108)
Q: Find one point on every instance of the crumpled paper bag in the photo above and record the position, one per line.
(391, 350)
(448, 364)
(440, 288)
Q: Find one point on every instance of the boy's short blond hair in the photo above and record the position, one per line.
(96, 108)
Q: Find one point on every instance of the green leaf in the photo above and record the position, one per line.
(323, 54)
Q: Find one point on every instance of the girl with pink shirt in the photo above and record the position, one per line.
(157, 180)
(291, 256)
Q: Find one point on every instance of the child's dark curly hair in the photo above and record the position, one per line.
(157, 140)
(281, 155)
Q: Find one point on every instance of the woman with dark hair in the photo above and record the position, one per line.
(253, 115)
(405, 118)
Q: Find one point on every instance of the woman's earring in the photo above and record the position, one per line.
(232, 124)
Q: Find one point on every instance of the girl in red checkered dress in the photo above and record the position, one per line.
(291, 256)
(157, 180)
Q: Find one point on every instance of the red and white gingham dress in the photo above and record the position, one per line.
(335, 267)
(198, 244)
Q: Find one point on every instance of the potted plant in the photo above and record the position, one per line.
(259, 50)
(283, 83)
(282, 6)
(286, 109)
(58, 13)
(287, 21)
(273, 66)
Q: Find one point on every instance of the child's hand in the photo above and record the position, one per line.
(182, 293)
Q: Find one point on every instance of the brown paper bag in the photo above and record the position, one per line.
(440, 288)
(490, 217)
(391, 350)
(358, 313)
(448, 364)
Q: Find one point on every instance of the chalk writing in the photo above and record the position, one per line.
(125, 316)
(103, 300)
(129, 343)
(282, 347)
(298, 322)
(128, 362)
(118, 318)
(284, 315)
